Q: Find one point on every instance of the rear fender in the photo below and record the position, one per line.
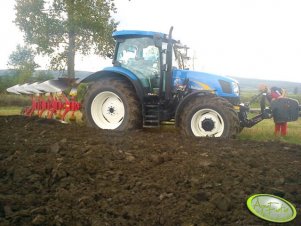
(117, 72)
(187, 99)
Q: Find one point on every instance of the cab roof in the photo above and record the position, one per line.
(137, 33)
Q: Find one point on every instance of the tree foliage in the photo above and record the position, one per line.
(23, 63)
(22, 57)
(60, 28)
(22, 69)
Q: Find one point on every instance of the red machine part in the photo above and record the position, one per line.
(56, 105)
(48, 99)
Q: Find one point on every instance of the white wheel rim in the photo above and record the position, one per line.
(205, 118)
(107, 110)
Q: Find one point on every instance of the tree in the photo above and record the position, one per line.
(22, 61)
(60, 28)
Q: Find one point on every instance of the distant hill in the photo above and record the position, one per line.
(246, 84)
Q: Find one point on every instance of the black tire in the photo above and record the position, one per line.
(209, 116)
(112, 104)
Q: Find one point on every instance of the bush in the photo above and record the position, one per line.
(14, 100)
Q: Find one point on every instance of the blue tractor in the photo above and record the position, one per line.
(149, 83)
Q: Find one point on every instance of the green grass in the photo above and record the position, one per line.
(10, 110)
(264, 131)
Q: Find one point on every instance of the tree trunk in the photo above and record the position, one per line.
(71, 55)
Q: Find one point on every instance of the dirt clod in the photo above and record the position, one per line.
(38, 220)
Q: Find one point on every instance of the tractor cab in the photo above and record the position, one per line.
(140, 56)
(150, 56)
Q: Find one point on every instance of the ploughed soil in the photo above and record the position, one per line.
(65, 174)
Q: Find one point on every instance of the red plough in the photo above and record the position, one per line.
(48, 99)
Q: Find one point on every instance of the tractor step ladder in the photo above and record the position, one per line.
(151, 116)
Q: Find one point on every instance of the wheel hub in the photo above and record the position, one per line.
(208, 124)
(111, 110)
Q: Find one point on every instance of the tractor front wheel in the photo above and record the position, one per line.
(209, 116)
(112, 104)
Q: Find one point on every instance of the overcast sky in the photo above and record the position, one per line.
(244, 38)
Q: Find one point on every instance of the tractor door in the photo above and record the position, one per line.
(141, 57)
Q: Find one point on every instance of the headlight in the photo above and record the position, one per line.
(235, 88)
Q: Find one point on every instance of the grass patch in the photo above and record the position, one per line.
(12, 110)
(264, 131)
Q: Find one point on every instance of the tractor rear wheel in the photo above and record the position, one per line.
(209, 116)
(112, 104)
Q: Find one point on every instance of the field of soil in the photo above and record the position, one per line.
(64, 174)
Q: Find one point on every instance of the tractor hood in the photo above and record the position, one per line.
(221, 85)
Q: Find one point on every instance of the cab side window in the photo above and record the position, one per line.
(141, 56)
